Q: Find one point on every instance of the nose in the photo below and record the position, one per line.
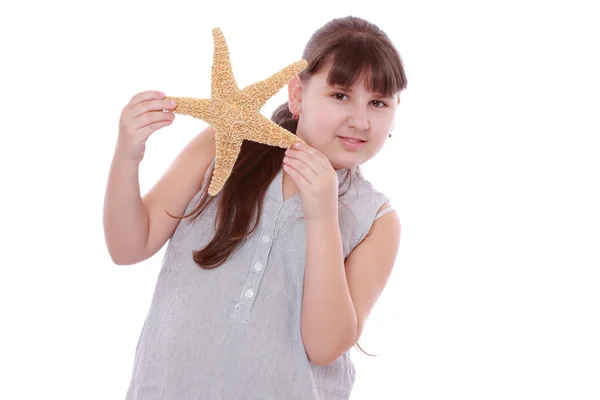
(358, 119)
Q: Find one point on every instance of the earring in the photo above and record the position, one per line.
(294, 116)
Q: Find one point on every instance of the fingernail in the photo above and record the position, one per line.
(297, 145)
(173, 103)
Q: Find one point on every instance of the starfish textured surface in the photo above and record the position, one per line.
(235, 113)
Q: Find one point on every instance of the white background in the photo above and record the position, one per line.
(493, 168)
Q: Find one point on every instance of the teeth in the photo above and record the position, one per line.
(352, 140)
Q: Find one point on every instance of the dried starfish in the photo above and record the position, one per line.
(235, 114)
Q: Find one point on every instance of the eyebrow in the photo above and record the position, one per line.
(349, 89)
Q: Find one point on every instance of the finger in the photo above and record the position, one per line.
(306, 158)
(302, 168)
(318, 156)
(143, 96)
(152, 105)
(299, 180)
(152, 117)
(149, 129)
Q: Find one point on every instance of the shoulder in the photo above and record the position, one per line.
(363, 195)
(361, 206)
(386, 223)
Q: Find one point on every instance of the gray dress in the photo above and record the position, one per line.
(233, 332)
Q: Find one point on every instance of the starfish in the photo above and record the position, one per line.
(235, 113)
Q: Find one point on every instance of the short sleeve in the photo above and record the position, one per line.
(371, 212)
(384, 211)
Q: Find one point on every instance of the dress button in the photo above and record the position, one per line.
(249, 293)
(258, 266)
(265, 238)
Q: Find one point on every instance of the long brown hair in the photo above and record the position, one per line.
(356, 48)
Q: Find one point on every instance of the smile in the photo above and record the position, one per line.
(352, 140)
(352, 144)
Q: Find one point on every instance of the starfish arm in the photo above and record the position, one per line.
(258, 93)
(197, 108)
(263, 130)
(223, 82)
(228, 148)
(235, 114)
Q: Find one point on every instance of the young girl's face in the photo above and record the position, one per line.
(328, 114)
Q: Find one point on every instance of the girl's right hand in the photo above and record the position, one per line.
(139, 119)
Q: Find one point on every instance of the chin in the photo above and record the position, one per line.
(344, 165)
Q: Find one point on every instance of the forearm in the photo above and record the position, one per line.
(125, 217)
(329, 321)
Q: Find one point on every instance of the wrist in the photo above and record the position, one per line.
(324, 222)
(122, 157)
(125, 165)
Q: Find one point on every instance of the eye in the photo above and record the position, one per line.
(339, 96)
(378, 103)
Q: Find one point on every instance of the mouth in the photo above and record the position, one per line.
(352, 144)
(351, 140)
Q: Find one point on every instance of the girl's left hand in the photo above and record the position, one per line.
(316, 180)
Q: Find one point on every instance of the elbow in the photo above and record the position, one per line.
(320, 361)
(120, 259)
(323, 358)
(123, 254)
(322, 349)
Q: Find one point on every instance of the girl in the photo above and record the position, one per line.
(265, 287)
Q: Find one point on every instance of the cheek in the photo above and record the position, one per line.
(380, 130)
(321, 122)
(382, 124)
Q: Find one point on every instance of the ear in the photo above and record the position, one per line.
(295, 95)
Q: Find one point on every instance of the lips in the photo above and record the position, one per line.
(351, 145)
(348, 137)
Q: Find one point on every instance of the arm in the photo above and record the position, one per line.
(338, 295)
(125, 218)
(135, 228)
